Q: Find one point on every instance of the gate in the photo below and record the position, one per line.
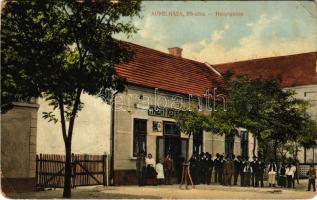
(303, 169)
(86, 170)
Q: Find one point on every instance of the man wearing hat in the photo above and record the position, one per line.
(228, 169)
(236, 168)
(193, 168)
(243, 164)
(210, 165)
(203, 168)
(217, 163)
(141, 168)
(311, 177)
(221, 174)
(261, 169)
(254, 175)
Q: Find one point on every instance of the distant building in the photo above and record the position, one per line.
(296, 72)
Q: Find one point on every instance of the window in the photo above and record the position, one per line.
(197, 143)
(171, 138)
(171, 129)
(229, 145)
(139, 136)
(244, 141)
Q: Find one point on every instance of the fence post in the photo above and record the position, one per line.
(108, 169)
(36, 171)
(73, 160)
(40, 173)
(103, 169)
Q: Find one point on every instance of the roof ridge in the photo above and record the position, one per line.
(168, 54)
(290, 70)
(266, 58)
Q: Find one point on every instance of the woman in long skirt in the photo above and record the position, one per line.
(272, 173)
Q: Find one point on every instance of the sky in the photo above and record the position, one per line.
(259, 29)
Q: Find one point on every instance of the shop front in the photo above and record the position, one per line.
(172, 144)
(147, 125)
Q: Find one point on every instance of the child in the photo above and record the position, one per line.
(160, 172)
(311, 177)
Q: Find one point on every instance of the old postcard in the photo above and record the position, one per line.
(158, 99)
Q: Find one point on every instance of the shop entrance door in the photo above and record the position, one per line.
(171, 143)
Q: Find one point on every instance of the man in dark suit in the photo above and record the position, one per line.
(254, 175)
(193, 168)
(210, 165)
(203, 168)
(141, 168)
(237, 168)
(221, 174)
(217, 167)
(243, 164)
(261, 169)
(168, 168)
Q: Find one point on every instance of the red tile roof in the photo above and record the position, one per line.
(289, 71)
(155, 69)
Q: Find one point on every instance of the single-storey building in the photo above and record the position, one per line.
(157, 85)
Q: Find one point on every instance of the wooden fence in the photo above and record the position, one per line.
(86, 170)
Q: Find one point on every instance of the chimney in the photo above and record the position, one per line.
(175, 51)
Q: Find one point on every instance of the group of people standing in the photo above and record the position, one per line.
(151, 173)
(286, 174)
(251, 173)
(227, 171)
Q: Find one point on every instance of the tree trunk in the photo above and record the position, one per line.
(283, 155)
(254, 145)
(275, 151)
(264, 150)
(68, 142)
(68, 170)
(187, 148)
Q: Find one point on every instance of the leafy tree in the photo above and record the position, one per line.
(217, 122)
(289, 123)
(61, 49)
(191, 122)
(271, 113)
(249, 102)
(274, 117)
(308, 134)
(220, 122)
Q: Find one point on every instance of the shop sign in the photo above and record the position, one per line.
(163, 112)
